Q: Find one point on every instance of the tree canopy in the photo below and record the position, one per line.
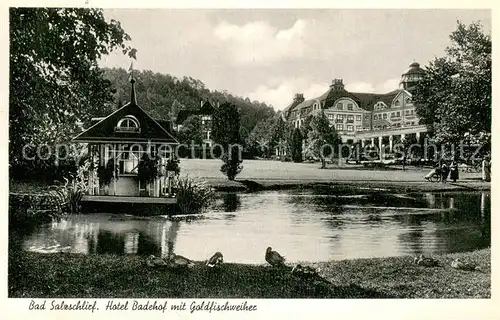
(55, 80)
(226, 132)
(454, 98)
(191, 131)
(163, 96)
(321, 138)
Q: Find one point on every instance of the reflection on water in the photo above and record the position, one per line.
(303, 225)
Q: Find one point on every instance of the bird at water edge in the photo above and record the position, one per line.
(425, 261)
(466, 266)
(177, 261)
(215, 261)
(274, 258)
(153, 261)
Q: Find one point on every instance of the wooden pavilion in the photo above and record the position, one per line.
(118, 145)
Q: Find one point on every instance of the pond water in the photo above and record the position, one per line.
(312, 225)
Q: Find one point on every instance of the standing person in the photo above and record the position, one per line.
(444, 172)
(486, 169)
(454, 171)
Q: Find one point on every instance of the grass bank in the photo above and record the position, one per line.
(108, 276)
(402, 186)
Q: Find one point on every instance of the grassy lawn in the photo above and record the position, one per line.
(276, 170)
(264, 174)
(106, 276)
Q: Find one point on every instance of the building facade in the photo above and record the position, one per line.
(205, 112)
(360, 117)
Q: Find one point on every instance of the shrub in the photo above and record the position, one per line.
(67, 198)
(173, 165)
(231, 166)
(193, 196)
(106, 173)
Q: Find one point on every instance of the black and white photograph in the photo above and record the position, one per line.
(225, 156)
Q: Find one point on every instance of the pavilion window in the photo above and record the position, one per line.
(128, 124)
(129, 159)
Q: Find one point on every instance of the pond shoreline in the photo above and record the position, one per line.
(36, 275)
(245, 185)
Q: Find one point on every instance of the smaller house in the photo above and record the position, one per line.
(131, 157)
(205, 112)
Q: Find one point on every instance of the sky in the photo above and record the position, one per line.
(269, 55)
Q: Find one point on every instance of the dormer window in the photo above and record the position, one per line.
(396, 103)
(128, 124)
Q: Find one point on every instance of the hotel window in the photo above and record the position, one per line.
(385, 115)
(350, 128)
(358, 128)
(350, 117)
(340, 106)
(340, 117)
(349, 106)
(339, 127)
(392, 114)
(330, 116)
(367, 117)
(398, 114)
(374, 117)
(358, 117)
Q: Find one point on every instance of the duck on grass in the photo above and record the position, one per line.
(65, 275)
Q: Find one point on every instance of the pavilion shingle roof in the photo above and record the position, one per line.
(103, 129)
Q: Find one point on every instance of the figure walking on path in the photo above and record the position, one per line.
(454, 171)
(444, 172)
(486, 169)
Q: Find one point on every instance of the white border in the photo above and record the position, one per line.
(311, 308)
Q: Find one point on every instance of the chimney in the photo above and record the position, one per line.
(337, 84)
(299, 98)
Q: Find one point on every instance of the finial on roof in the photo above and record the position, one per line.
(132, 81)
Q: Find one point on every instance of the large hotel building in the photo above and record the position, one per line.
(376, 119)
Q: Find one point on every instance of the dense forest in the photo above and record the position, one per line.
(163, 96)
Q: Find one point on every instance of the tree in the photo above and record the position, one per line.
(281, 137)
(191, 131)
(296, 145)
(322, 139)
(306, 126)
(226, 132)
(407, 148)
(454, 98)
(164, 96)
(259, 140)
(55, 81)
